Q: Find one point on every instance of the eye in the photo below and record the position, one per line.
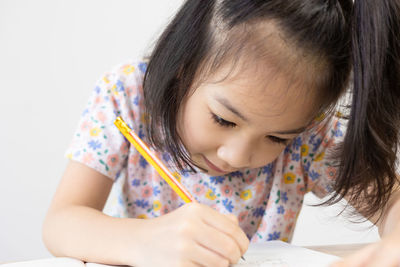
(278, 140)
(220, 121)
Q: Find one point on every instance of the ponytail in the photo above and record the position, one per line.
(367, 172)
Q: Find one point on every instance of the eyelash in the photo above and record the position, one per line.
(220, 121)
(224, 123)
(278, 140)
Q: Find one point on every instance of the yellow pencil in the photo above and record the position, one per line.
(153, 160)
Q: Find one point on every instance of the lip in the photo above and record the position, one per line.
(212, 166)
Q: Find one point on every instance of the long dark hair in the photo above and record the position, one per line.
(332, 30)
(367, 172)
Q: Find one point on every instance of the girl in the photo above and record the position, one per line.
(231, 99)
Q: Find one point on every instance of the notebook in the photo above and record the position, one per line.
(269, 254)
(281, 254)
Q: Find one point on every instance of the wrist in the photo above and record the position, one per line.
(132, 246)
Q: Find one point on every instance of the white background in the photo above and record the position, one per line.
(51, 54)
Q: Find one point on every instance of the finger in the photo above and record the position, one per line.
(225, 224)
(206, 257)
(219, 242)
(357, 259)
(235, 220)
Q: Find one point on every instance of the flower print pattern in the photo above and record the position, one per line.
(289, 178)
(259, 187)
(227, 191)
(198, 189)
(289, 215)
(85, 126)
(319, 157)
(136, 182)
(165, 209)
(246, 194)
(156, 205)
(243, 216)
(258, 212)
(147, 191)
(228, 204)
(266, 200)
(210, 194)
(280, 210)
(274, 236)
(156, 190)
(331, 172)
(217, 179)
(128, 69)
(142, 203)
(94, 144)
(95, 131)
(289, 228)
(304, 150)
(142, 216)
(112, 160)
(300, 189)
(87, 158)
(250, 179)
(101, 116)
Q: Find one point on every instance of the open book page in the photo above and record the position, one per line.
(281, 254)
(52, 262)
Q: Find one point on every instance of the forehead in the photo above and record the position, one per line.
(264, 96)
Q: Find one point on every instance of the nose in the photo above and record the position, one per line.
(237, 153)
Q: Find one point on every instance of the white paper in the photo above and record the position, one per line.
(52, 262)
(281, 254)
(269, 254)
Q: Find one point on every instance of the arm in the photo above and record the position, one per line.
(391, 213)
(192, 235)
(385, 252)
(75, 226)
(391, 217)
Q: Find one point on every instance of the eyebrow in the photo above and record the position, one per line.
(293, 131)
(225, 102)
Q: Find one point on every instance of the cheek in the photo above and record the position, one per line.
(198, 132)
(267, 154)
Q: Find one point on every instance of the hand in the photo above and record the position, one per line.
(193, 235)
(385, 253)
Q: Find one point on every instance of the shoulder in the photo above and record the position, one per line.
(122, 86)
(132, 70)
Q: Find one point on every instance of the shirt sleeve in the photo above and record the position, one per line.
(97, 142)
(317, 151)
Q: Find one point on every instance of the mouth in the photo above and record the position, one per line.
(213, 167)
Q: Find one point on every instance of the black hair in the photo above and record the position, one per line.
(193, 38)
(367, 172)
(330, 32)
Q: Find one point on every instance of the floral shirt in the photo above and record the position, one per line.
(266, 200)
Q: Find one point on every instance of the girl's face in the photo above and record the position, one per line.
(241, 122)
